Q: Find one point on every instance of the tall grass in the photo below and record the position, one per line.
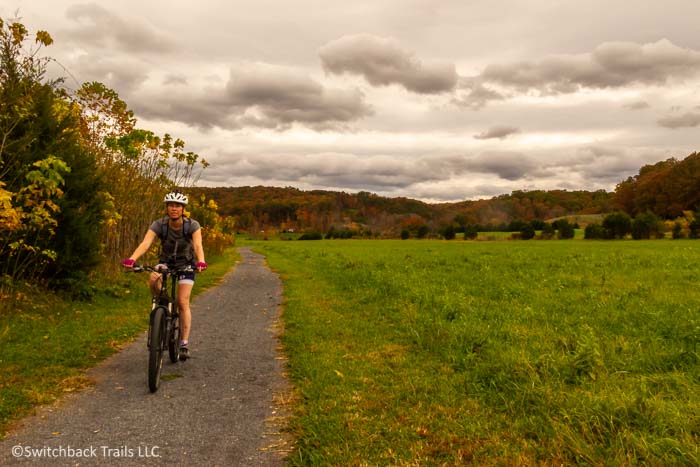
(422, 352)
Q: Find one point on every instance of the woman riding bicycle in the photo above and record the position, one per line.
(181, 246)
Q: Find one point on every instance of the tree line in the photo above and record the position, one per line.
(79, 181)
(366, 214)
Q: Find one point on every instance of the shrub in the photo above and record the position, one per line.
(617, 225)
(422, 231)
(471, 232)
(448, 232)
(677, 231)
(593, 232)
(537, 224)
(694, 228)
(517, 226)
(405, 234)
(565, 230)
(547, 231)
(527, 232)
(645, 225)
(311, 236)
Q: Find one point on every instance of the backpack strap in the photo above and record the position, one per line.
(186, 228)
(164, 228)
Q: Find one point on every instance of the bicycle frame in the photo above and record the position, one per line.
(164, 322)
(164, 298)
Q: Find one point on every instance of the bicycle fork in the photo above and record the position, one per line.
(168, 328)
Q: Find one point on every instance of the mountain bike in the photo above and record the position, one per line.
(164, 324)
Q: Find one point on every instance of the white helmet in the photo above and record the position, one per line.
(176, 197)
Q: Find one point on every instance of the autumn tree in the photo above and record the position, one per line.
(50, 207)
(137, 165)
(666, 188)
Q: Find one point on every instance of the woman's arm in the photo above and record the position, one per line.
(144, 246)
(197, 245)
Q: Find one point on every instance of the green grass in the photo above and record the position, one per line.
(47, 343)
(430, 352)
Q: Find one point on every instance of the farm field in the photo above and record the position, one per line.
(434, 352)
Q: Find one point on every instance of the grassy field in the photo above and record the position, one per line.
(47, 343)
(430, 352)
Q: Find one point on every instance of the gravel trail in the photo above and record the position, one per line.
(218, 408)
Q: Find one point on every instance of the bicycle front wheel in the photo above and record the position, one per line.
(174, 340)
(156, 336)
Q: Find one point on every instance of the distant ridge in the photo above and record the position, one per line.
(264, 208)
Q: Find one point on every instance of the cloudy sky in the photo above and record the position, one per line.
(439, 100)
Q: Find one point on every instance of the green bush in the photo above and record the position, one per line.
(527, 232)
(448, 232)
(617, 225)
(471, 232)
(311, 236)
(645, 226)
(677, 231)
(423, 230)
(548, 231)
(565, 230)
(594, 232)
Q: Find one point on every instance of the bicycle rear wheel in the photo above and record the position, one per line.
(155, 351)
(174, 340)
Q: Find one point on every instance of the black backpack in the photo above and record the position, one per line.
(186, 228)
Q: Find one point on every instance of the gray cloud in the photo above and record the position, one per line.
(382, 61)
(687, 120)
(435, 177)
(122, 74)
(610, 65)
(386, 174)
(509, 165)
(639, 105)
(577, 167)
(497, 132)
(101, 28)
(478, 95)
(343, 170)
(604, 164)
(261, 95)
(175, 79)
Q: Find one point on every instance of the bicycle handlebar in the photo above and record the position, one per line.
(167, 270)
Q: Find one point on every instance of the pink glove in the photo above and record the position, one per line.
(201, 266)
(128, 263)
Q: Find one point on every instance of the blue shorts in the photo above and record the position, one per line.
(186, 278)
(183, 277)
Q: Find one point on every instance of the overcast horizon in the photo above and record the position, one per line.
(439, 101)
